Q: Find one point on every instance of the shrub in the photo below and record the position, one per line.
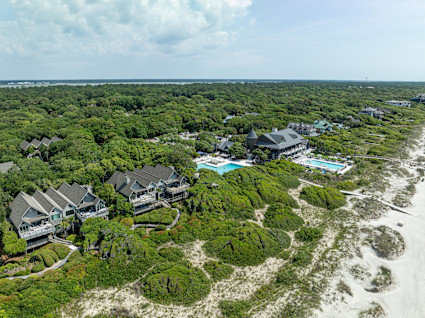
(61, 250)
(129, 222)
(160, 216)
(286, 276)
(218, 270)
(323, 197)
(77, 240)
(308, 234)
(160, 228)
(234, 309)
(302, 258)
(23, 272)
(248, 245)
(281, 216)
(38, 268)
(47, 257)
(171, 254)
(175, 283)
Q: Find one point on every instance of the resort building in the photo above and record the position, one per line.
(372, 112)
(37, 143)
(150, 187)
(303, 129)
(279, 143)
(399, 103)
(322, 126)
(38, 217)
(225, 146)
(420, 98)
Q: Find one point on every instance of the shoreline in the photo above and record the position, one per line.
(404, 297)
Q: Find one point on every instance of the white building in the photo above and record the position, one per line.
(403, 103)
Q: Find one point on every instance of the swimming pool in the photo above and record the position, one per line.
(323, 164)
(222, 169)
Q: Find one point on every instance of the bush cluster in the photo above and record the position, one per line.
(218, 271)
(281, 216)
(327, 198)
(163, 216)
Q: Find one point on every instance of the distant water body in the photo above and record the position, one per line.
(39, 83)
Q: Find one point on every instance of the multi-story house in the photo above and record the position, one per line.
(400, 103)
(280, 143)
(303, 128)
(38, 217)
(37, 143)
(150, 187)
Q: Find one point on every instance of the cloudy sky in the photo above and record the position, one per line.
(256, 39)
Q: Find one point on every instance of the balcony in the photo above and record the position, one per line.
(83, 216)
(142, 209)
(145, 199)
(181, 188)
(37, 231)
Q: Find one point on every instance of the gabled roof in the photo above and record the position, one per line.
(226, 145)
(118, 181)
(20, 206)
(148, 176)
(45, 201)
(55, 139)
(46, 141)
(60, 200)
(160, 171)
(35, 142)
(6, 166)
(74, 193)
(252, 134)
(280, 139)
(25, 145)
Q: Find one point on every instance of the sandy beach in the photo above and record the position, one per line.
(405, 297)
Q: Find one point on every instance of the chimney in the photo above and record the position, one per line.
(127, 180)
(274, 129)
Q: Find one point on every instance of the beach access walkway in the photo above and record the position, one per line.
(392, 206)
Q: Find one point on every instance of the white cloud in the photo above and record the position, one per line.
(119, 26)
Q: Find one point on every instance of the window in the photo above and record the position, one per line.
(70, 212)
(56, 217)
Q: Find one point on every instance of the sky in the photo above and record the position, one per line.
(212, 39)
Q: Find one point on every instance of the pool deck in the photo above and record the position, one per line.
(219, 161)
(301, 161)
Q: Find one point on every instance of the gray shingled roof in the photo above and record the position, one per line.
(148, 176)
(160, 171)
(25, 145)
(55, 139)
(225, 146)
(20, 206)
(280, 139)
(117, 180)
(6, 166)
(35, 142)
(252, 134)
(58, 198)
(74, 193)
(46, 141)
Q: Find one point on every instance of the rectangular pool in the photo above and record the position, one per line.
(323, 164)
(222, 169)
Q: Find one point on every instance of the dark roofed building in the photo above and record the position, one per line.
(280, 143)
(37, 217)
(37, 143)
(302, 128)
(420, 98)
(25, 145)
(225, 146)
(150, 187)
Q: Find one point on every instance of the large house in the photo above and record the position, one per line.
(372, 112)
(37, 143)
(38, 217)
(303, 128)
(280, 143)
(150, 187)
(420, 98)
(399, 103)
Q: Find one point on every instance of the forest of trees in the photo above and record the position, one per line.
(106, 128)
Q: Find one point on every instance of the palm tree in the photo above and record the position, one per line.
(64, 225)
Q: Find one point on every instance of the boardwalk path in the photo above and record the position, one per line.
(392, 206)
